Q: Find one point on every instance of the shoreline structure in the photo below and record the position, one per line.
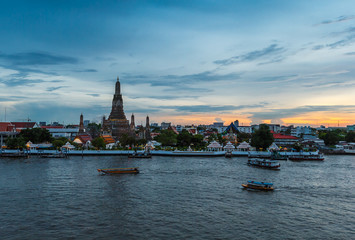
(157, 153)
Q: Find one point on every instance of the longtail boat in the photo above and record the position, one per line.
(118, 170)
(258, 186)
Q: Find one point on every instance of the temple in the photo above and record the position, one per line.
(117, 123)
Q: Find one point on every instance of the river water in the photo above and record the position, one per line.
(175, 198)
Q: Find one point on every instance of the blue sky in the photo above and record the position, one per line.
(288, 62)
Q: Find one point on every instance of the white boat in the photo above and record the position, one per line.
(264, 163)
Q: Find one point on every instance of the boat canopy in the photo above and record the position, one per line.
(261, 183)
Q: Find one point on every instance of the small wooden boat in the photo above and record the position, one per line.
(118, 170)
(259, 186)
(140, 155)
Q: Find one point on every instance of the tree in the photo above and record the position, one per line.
(197, 141)
(350, 136)
(98, 143)
(58, 143)
(167, 138)
(125, 140)
(15, 143)
(94, 129)
(262, 138)
(36, 135)
(244, 137)
(184, 139)
(330, 137)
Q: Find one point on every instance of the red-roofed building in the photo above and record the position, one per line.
(282, 140)
(6, 129)
(83, 139)
(19, 126)
(108, 139)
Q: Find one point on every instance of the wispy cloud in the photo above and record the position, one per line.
(268, 52)
(51, 89)
(36, 58)
(337, 20)
(93, 95)
(347, 37)
(182, 81)
(212, 109)
(21, 82)
(87, 70)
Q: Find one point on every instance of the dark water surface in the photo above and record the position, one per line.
(175, 198)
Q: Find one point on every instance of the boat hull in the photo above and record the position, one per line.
(247, 186)
(119, 170)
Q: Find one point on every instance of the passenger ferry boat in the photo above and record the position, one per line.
(264, 163)
(310, 157)
(258, 186)
(118, 170)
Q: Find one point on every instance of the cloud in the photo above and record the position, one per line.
(11, 98)
(277, 114)
(93, 95)
(337, 20)
(350, 53)
(210, 108)
(267, 52)
(36, 58)
(277, 79)
(21, 82)
(348, 37)
(181, 82)
(51, 89)
(87, 70)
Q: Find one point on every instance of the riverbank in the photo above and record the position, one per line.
(7, 153)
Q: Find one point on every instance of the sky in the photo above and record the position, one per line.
(184, 62)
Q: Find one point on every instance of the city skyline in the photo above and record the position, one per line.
(184, 62)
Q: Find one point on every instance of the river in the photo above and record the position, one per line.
(175, 198)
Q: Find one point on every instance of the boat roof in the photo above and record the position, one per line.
(262, 183)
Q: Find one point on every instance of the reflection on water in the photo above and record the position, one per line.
(175, 198)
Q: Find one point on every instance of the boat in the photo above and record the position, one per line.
(258, 186)
(310, 157)
(118, 170)
(140, 155)
(278, 156)
(264, 163)
(228, 155)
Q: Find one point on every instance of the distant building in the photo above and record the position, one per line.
(7, 130)
(350, 128)
(236, 123)
(165, 125)
(245, 129)
(284, 140)
(61, 131)
(86, 123)
(24, 125)
(217, 124)
(301, 130)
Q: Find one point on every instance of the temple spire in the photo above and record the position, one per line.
(118, 87)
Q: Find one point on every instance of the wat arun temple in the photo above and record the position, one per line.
(117, 124)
